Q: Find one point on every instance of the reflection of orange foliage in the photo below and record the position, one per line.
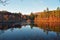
(6, 17)
(54, 26)
(28, 21)
(52, 22)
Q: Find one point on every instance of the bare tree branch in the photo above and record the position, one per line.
(4, 2)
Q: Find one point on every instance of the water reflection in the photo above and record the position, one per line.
(49, 26)
(29, 32)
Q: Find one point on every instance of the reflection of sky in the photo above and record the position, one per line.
(27, 6)
(26, 33)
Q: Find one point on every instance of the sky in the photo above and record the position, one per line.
(28, 6)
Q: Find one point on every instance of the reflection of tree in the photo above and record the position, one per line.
(46, 31)
(12, 29)
(58, 35)
(32, 25)
(6, 26)
(1, 32)
(20, 26)
(51, 27)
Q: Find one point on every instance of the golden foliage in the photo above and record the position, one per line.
(51, 16)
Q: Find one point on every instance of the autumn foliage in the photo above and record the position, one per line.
(51, 18)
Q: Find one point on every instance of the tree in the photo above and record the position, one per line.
(47, 13)
(20, 16)
(58, 8)
(32, 16)
(4, 2)
(47, 9)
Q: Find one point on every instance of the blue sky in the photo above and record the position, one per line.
(28, 6)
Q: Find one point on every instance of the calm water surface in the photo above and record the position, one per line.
(28, 32)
